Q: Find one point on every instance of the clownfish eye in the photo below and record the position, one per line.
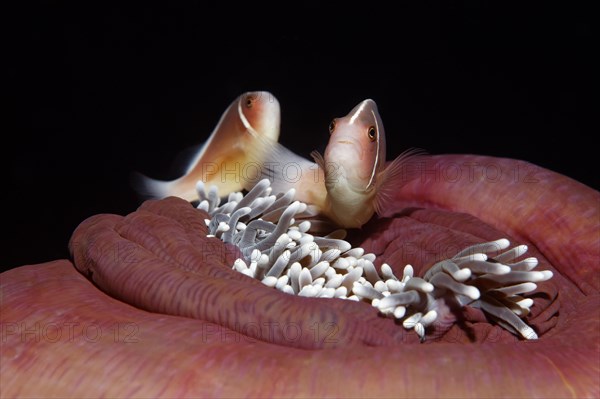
(331, 126)
(250, 101)
(372, 133)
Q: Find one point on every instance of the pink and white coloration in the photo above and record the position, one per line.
(218, 162)
(352, 180)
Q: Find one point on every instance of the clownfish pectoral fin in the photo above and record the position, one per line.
(316, 155)
(284, 169)
(395, 175)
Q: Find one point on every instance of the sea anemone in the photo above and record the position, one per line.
(149, 305)
(279, 251)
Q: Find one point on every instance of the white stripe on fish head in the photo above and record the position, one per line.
(259, 112)
(357, 145)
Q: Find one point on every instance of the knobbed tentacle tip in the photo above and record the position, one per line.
(280, 252)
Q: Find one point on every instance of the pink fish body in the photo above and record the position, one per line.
(223, 158)
(352, 180)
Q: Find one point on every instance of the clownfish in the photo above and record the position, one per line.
(348, 183)
(221, 159)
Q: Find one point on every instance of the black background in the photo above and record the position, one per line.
(101, 92)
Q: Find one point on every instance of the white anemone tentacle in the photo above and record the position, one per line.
(279, 251)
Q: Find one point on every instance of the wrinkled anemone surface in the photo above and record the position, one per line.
(149, 306)
(274, 237)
